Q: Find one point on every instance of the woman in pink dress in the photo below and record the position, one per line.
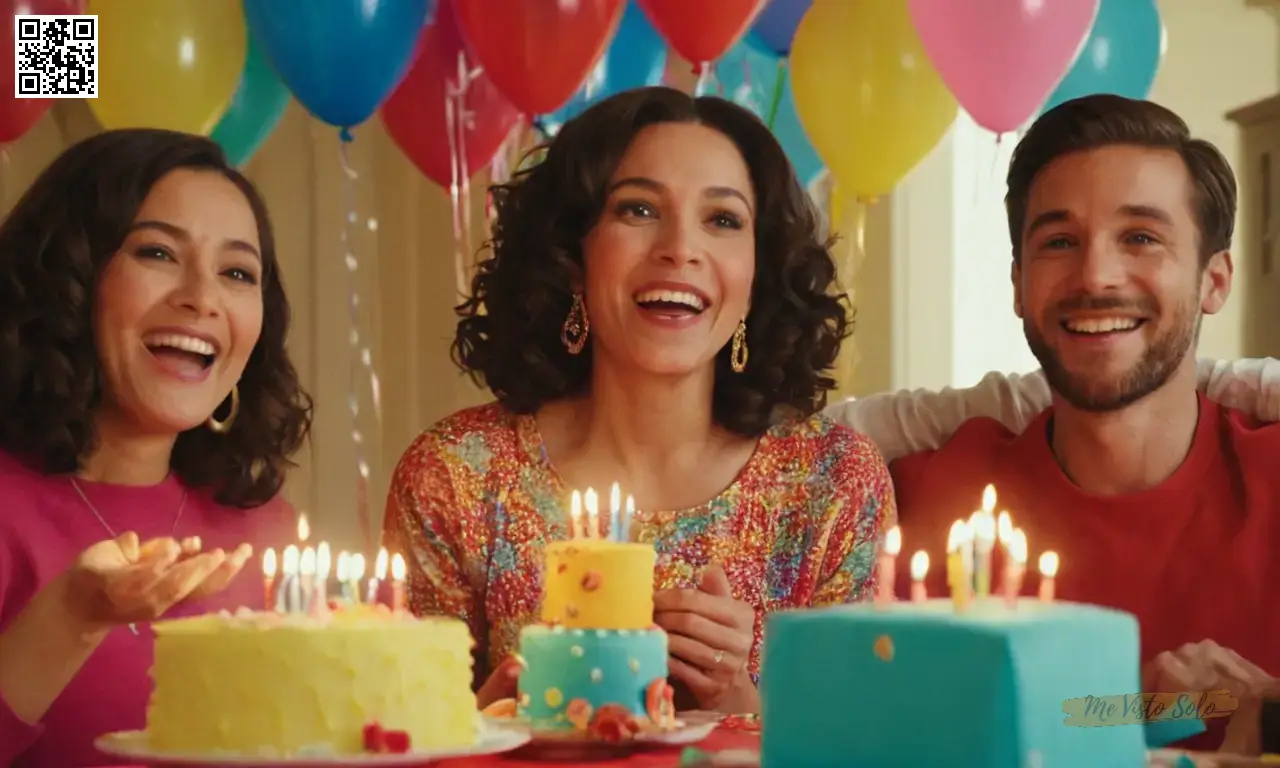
(148, 410)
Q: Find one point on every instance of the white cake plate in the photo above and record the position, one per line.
(575, 745)
(133, 746)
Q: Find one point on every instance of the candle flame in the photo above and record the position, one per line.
(380, 565)
(398, 569)
(615, 498)
(893, 541)
(919, 565)
(343, 570)
(1017, 545)
(631, 506)
(983, 526)
(357, 567)
(290, 561)
(575, 514)
(269, 563)
(1004, 528)
(308, 565)
(324, 560)
(1049, 564)
(960, 535)
(989, 499)
(304, 529)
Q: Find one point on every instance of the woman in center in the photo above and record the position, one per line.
(657, 310)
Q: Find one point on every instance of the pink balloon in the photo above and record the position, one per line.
(1003, 58)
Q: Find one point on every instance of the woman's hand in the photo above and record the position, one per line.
(123, 581)
(710, 635)
(501, 684)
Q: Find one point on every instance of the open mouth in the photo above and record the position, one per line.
(672, 304)
(1098, 327)
(186, 354)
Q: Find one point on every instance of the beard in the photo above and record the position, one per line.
(1104, 392)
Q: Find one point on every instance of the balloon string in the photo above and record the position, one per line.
(779, 88)
(360, 354)
(703, 71)
(458, 121)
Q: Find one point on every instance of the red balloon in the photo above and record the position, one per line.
(416, 117)
(18, 115)
(702, 30)
(538, 52)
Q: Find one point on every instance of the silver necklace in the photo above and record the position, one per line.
(182, 503)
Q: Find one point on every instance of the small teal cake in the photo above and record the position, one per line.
(917, 684)
(570, 674)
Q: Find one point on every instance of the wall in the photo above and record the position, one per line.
(953, 244)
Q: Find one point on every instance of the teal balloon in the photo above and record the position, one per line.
(757, 80)
(1121, 55)
(256, 108)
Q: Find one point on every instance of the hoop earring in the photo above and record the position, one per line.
(738, 353)
(576, 326)
(224, 426)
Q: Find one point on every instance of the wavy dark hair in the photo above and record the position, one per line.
(508, 337)
(53, 247)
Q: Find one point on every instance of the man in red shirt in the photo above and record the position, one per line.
(1158, 501)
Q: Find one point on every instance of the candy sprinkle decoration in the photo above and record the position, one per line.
(383, 742)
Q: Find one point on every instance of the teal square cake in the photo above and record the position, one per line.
(918, 684)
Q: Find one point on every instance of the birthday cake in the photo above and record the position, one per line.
(268, 685)
(596, 664)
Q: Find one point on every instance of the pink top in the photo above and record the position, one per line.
(44, 525)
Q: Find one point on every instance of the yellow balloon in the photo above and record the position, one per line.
(869, 98)
(167, 63)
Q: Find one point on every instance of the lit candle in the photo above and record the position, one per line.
(983, 524)
(615, 513)
(1004, 528)
(304, 529)
(324, 566)
(1048, 572)
(290, 596)
(343, 573)
(960, 564)
(593, 513)
(1015, 566)
(886, 565)
(919, 569)
(631, 512)
(379, 575)
(268, 578)
(575, 516)
(356, 575)
(398, 573)
(307, 575)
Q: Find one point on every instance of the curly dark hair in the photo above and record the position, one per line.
(53, 247)
(508, 337)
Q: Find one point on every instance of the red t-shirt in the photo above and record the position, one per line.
(1194, 558)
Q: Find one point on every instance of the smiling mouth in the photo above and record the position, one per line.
(671, 303)
(188, 352)
(1102, 326)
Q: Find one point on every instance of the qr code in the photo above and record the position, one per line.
(57, 57)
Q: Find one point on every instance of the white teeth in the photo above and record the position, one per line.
(691, 300)
(1102, 324)
(179, 341)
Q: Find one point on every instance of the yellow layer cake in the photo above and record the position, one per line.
(270, 685)
(598, 584)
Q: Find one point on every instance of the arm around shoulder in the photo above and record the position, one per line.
(860, 510)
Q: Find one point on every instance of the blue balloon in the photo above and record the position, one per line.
(749, 77)
(776, 25)
(340, 58)
(637, 57)
(1121, 55)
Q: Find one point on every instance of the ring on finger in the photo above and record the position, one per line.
(718, 659)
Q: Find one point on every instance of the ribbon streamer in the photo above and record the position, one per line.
(361, 355)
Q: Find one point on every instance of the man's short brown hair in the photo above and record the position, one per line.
(1103, 120)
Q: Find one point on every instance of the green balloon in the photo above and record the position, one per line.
(256, 108)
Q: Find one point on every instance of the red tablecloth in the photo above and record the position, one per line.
(664, 758)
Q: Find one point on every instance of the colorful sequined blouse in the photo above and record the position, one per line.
(475, 499)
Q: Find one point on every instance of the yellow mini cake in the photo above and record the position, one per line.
(264, 684)
(598, 584)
